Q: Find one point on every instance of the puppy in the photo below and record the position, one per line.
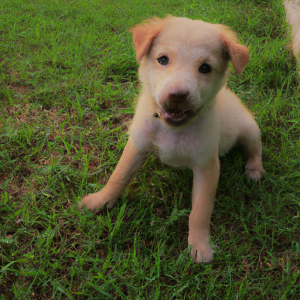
(187, 113)
(292, 8)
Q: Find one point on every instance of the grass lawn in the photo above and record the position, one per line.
(68, 82)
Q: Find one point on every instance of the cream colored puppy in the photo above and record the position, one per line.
(187, 113)
(292, 8)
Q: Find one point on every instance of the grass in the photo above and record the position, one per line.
(68, 81)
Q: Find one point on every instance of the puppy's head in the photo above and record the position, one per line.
(184, 63)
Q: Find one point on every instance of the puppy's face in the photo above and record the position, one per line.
(184, 66)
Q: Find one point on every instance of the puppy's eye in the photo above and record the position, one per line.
(205, 68)
(163, 60)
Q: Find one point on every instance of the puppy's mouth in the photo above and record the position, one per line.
(175, 117)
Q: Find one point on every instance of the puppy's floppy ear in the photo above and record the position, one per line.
(145, 33)
(239, 54)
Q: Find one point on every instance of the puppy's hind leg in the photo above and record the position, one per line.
(250, 140)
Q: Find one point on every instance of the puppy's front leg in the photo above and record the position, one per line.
(131, 161)
(204, 189)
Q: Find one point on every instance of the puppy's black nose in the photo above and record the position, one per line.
(178, 97)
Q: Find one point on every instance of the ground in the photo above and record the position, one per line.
(67, 88)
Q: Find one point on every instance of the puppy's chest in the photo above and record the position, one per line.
(181, 149)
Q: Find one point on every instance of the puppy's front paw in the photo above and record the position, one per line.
(201, 252)
(91, 202)
(94, 202)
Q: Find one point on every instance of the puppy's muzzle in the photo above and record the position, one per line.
(176, 109)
